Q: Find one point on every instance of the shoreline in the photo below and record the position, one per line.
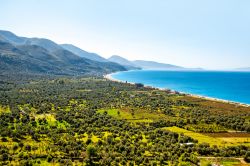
(109, 77)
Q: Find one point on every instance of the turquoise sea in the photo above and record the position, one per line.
(233, 86)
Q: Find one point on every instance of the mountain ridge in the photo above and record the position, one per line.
(43, 56)
(123, 61)
(243, 69)
(155, 65)
(65, 58)
(82, 53)
(143, 64)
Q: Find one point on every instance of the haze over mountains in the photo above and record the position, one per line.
(82, 53)
(148, 65)
(243, 69)
(43, 56)
(122, 61)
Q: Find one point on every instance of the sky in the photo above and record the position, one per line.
(212, 34)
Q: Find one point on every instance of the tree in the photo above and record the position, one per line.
(91, 152)
(88, 141)
(4, 139)
(247, 157)
(5, 157)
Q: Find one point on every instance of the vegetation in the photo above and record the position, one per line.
(221, 140)
(93, 121)
(38, 56)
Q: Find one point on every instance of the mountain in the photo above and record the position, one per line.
(16, 40)
(83, 53)
(15, 61)
(10, 37)
(122, 61)
(48, 45)
(43, 56)
(140, 64)
(45, 43)
(156, 65)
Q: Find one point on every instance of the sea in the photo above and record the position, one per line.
(225, 85)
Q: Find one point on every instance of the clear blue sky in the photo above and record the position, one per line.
(214, 34)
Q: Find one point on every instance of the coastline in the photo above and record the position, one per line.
(109, 77)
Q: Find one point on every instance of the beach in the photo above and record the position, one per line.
(109, 77)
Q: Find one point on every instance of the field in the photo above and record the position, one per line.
(4, 109)
(229, 134)
(219, 139)
(222, 161)
(134, 116)
(93, 121)
(218, 107)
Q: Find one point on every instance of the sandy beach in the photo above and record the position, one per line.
(109, 77)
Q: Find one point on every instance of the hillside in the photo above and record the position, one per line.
(82, 53)
(75, 60)
(143, 64)
(122, 61)
(156, 65)
(43, 56)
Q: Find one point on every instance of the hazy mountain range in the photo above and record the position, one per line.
(122, 61)
(243, 69)
(82, 53)
(148, 65)
(43, 56)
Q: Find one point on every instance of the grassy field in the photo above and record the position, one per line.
(135, 116)
(4, 109)
(217, 107)
(114, 112)
(49, 117)
(219, 141)
(229, 134)
(220, 161)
